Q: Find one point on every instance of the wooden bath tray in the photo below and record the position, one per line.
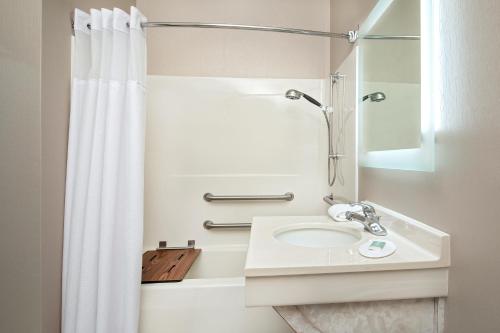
(167, 265)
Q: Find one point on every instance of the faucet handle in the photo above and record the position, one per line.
(367, 209)
(348, 215)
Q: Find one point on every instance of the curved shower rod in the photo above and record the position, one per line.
(351, 35)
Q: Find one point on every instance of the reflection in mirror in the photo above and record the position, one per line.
(391, 66)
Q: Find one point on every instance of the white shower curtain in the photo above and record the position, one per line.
(103, 222)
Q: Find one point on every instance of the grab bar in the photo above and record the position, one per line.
(211, 225)
(288, 196)
(331, 200)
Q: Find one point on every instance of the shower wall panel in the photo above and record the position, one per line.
(234, 137)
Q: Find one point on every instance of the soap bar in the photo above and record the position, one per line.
(377, 248)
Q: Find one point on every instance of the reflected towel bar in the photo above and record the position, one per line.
(211, 197)
(211, 225)
(391, 37)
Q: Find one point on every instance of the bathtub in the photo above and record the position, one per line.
(211, 299)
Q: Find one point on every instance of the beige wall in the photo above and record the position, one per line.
(20, 189)
(87, 4)
(346, 15)
(34, 90)
(55, 116)
(461, 196)
(230, 53)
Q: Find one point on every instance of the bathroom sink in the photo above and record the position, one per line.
(317, 236)
(312, 260)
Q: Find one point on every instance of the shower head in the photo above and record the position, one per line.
(295, 94)
(375, 97)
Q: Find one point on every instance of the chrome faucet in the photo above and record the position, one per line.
(370, 220)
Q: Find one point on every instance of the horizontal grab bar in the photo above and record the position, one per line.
(211, 225)
(288, 196)
(331, 200)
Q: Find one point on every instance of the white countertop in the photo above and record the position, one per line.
(279, 273)
(418, 246)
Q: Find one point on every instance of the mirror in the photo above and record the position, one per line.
(395, 129)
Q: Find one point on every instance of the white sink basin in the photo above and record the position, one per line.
(312, 260)
(317, 236)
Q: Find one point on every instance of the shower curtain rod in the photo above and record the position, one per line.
(351, 36)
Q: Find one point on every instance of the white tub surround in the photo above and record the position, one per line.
(279, 273)
(229, 136)
(211, 299)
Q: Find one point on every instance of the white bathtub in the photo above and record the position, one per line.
(210, 300)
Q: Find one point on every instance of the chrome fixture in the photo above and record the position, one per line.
(294, 94)
(391, 37)
(211, 225)
(369, 219)
(350, 36)
(288, 196)
(162, 245)
(337, 76)
(375, 97)
(331, 200)
(335, 155)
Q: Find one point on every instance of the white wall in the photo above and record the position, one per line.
(346, 185)
(229, 136)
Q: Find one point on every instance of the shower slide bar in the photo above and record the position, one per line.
(211, 225)
(289, 196)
